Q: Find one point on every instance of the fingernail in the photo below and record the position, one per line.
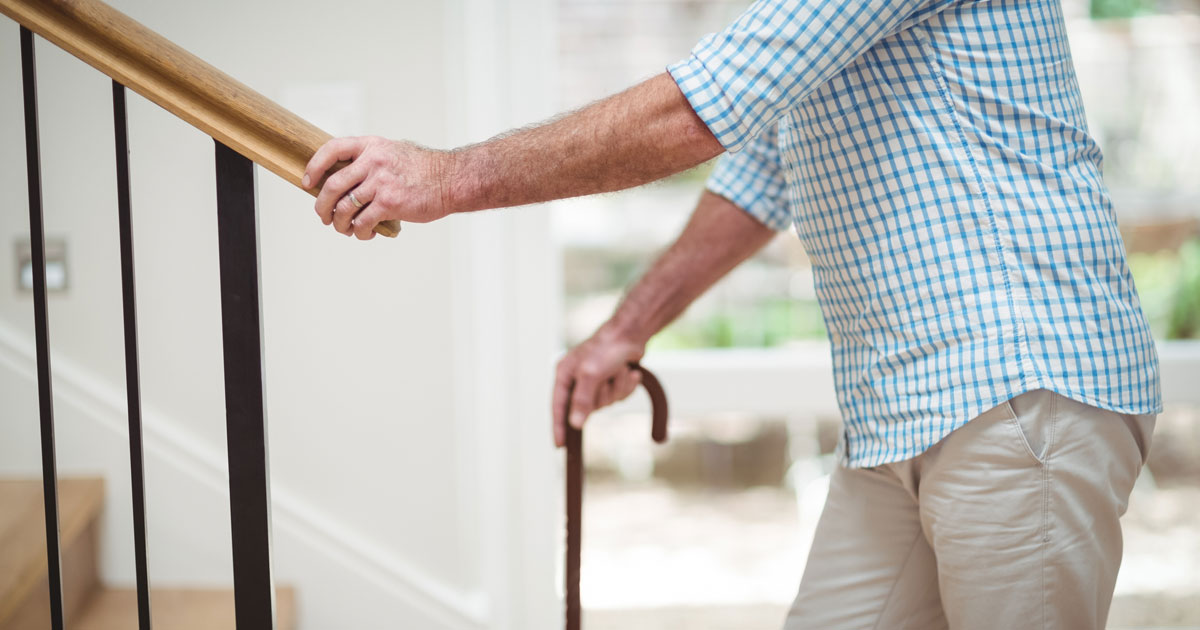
(306, 181)
(577, 420)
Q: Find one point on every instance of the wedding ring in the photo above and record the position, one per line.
(357, 204)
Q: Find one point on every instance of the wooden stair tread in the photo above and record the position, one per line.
(23, 531)
(175, 609)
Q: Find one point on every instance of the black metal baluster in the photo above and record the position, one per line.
(132, 378)
(37, 241)
(246, 428)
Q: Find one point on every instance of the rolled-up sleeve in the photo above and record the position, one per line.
(743, 79)
(753, 179)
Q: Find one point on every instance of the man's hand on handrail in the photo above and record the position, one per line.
(643, 134)
(388, 180)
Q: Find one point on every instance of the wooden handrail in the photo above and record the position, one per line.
(179, 82)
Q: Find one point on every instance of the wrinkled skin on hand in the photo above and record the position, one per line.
(391, 180)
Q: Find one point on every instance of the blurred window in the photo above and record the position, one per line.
(609, 240)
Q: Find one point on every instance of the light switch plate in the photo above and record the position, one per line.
(56, 265)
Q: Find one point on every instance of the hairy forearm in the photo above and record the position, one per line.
(718, 237)
(638, 136)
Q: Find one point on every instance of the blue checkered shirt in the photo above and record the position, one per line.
(935, 161)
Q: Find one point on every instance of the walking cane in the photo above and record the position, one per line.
(658, 431)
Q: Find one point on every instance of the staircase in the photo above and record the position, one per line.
(89, 604)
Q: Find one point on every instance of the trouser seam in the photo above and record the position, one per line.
(896, 582)
(1045, 542)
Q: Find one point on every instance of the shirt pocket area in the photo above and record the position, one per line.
(828, 110)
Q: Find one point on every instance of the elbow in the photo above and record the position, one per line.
(699, 142)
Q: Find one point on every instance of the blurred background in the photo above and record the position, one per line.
(413, 480)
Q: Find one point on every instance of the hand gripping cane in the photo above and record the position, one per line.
(658, 402)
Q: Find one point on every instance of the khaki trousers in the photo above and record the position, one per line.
(1009, 522)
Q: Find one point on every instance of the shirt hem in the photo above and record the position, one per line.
(846, 460)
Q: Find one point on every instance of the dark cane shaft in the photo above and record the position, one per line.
(575, 471)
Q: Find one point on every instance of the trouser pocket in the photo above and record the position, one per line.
(1032, 418)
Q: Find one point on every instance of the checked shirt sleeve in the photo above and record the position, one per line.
(754, 181)
(748, 76)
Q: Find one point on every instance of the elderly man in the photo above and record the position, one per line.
(995, 371)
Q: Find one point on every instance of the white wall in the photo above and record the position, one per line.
(411, 471)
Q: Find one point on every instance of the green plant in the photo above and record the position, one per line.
(1109, 9)
(1185, 316)
(764, 323)
(1168, 283)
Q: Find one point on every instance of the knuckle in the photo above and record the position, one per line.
(389, 198)
(592, 368)
(338, 181)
